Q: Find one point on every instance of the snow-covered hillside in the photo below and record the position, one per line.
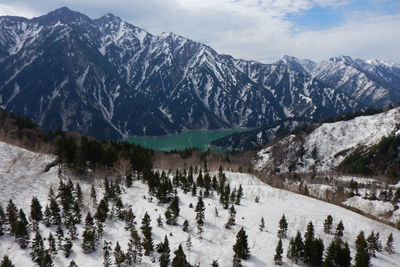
(22, 177)
(325, 147)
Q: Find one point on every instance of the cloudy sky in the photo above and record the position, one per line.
(263, 30)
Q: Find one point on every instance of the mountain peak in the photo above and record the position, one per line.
(341, 58)
(110, 17)
(65, 15)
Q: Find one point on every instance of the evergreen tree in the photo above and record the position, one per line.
(6, 262)
(308, 243)
(77, 213)
(73, 264)
(12, 216)
(99, 230)
(239, 195)
(134, 252)
(185, 226)
(60, 236)
(102, 211)
(37, 252)
(146, 231)
(93, 195)
(55, 218)
(296, 248)
(36, 210)
(120, 209)
(328, 224)
(200, 208)
(165, 253)
(337, 254)
(374, 244)
(389, 244)
(130, 223)
(283, 225)
(241, 247)
(194, 189)
(2, 220)
(119, 255)
(262, 224)
(214, 262)
(52, 244)
(339, 230)
(89, 235)
(188, 243)
(231, 219)
(128, 181)
(21, 230)
(362, 257)
(47, 260)
(107, 262)
(160, 221)
(70, 224)
(180, 258)
(278, 253)
(47, 216)
(67, 247)
(78, 195)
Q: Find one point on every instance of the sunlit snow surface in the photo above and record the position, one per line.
(21, 177)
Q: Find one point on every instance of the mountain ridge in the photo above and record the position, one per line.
(110, 79)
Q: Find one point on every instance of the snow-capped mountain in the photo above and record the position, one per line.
(373, 82)
(325, 147)
(110, 79)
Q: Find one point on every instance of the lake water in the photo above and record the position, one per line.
(188, 139)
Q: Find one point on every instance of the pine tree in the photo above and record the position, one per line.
(99, 230)
(77, 213)
(339, 230)
(337, 254)
(188, 243)
(37, 252)
(78, 195)
(328, 224)
(185, 226)
(134, 252)
(160, 221)
(165, 253)
(239, 195)
(130, 223)
(102, 211)
(278, 253)
(389, 244)
(200, 208)
(73, 264)
(296, 248)
(12, 216)
(146, 231)
(107, 262)
(283, 225)
(36, 210)
(308, 243)
(214, 262)
(60, 236)
(2, 220)
(180, 258)
(47, 260)
(231, 219)
(21, 230)
(52, 244)
(128, 181)
(47, 216)
(241, 247)
(261, 227)
(93, 195)
(119, 255)
(70, 224)
(54, 212)
(6, 262)
(362, 258)
(89, 235)
(67, 247)
(174, 209)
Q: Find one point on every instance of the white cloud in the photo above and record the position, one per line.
(250, 29)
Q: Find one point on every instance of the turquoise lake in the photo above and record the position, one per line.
(200, 139)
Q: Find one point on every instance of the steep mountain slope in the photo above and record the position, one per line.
(324, 148)
(110, 79)
(217, 241)
(375, 83)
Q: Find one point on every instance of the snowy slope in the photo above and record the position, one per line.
(217, 242)
(325, 147)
